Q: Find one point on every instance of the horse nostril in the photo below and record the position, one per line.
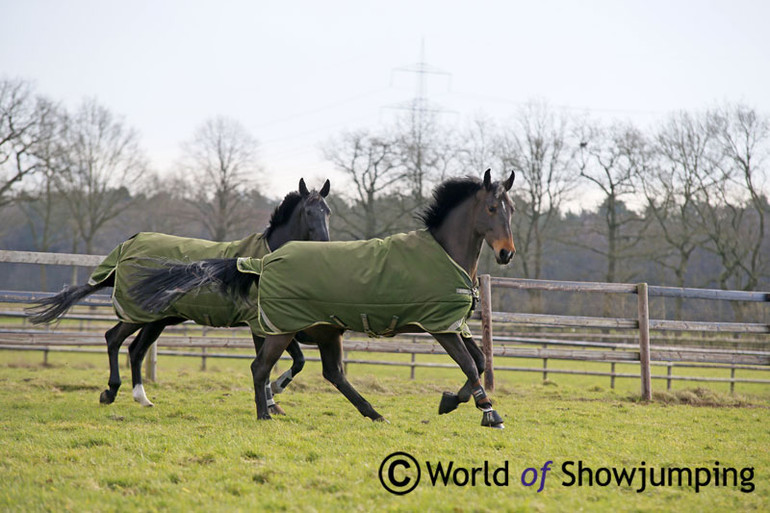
(505, 255)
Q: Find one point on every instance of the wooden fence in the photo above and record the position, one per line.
(642, 324)
(556, 346)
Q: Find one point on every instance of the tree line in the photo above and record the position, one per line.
(681, 203)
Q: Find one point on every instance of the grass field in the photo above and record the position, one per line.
(201, 448)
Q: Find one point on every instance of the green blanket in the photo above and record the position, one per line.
(376, 286)
(206, 307)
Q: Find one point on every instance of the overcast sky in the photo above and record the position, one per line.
(296, 73)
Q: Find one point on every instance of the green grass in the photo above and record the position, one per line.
(201, 448)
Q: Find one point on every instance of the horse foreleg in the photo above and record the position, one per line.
(115, 337)
(266, 358)
(330, 347)
(457, 349)
(450, 401)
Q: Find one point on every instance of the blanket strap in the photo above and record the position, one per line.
(391, 329)
(269, 324)
(473, 292)
(367, 328)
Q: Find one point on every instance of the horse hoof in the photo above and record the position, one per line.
(265, 417)
(449, 402)
(381, 419)
(107, 397)
(276, 409)
(492, 419)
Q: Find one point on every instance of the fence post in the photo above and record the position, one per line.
(732, 380)
(152, 362)
(486, 331)
(644, 340)
(612, 375)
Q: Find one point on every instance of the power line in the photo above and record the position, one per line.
(419, 106)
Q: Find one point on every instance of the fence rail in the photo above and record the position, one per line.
(494, 347)
(642, 324)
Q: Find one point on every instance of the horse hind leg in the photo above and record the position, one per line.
(330, 347)
(273, 407)
(297, 364)
(137, 351)
(115, 337)
(280, 384)
(266, 358)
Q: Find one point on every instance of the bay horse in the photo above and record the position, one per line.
(302, 215)
(381, 286)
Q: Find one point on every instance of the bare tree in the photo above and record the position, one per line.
(612, 159)
(371, 162)
(537, 147)
(479, 148)
(222, 157)
(165, 207)
(735, 214)
(23, 121)
(425, 152)
(99, 161)
(43, 206)
(686, 164)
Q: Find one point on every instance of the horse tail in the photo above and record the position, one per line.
(47, 309)
(159, 287)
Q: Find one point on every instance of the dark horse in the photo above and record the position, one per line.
(464, 213)
(302, 215)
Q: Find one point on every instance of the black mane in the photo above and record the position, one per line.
(282, 212)
(446, 197)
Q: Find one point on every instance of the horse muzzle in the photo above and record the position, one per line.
(504, 256)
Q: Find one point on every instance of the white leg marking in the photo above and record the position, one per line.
(140, 396)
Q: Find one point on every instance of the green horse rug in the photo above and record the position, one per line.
(378, 286)
(148, 249)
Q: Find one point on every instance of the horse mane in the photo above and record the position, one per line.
(447, 196)
(282, 212)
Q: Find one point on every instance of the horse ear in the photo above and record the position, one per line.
(303, 188)
(488, 180)
(509, 182)
(325, 189)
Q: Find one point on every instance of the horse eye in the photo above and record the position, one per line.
(492, 209)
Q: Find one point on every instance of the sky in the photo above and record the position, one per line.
(296, 74)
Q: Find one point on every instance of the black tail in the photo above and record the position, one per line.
(158, 288)
(50, 308)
